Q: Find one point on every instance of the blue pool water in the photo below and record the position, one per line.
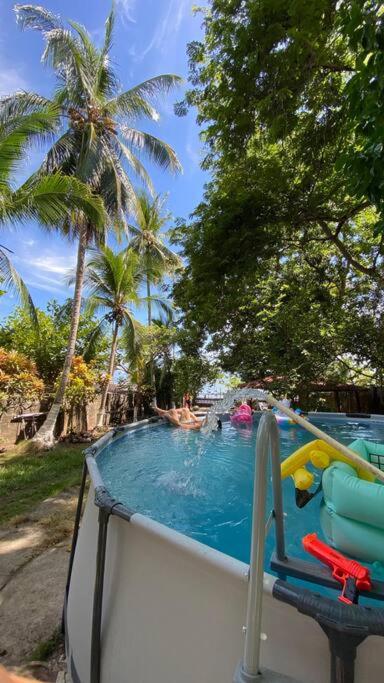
(202, 485)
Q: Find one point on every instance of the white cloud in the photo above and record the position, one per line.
(46, 287)
(11, 80)
(53, 263)
(46, 269)
(126, 8)
(167, 27)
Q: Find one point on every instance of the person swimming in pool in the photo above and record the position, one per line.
(181, 417)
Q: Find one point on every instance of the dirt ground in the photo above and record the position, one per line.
(34, 553)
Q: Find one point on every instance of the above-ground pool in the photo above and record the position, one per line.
(166, 534)
(202, 485)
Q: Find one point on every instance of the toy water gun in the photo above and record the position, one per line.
(351, 574)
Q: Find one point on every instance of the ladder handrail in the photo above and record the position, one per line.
(267, 443)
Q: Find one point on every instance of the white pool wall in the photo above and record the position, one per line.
(174, 611)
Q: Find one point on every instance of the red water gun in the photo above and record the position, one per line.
(352, 575)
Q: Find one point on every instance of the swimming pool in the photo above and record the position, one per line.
(159, 582)
(202, 485)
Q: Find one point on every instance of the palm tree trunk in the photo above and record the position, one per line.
(45, 435)
(111, 369)
(151, 365)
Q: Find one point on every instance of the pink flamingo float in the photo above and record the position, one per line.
(242, 415)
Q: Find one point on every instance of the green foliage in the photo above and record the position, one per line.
(49, 199)
(153, 342)
(82, 386)
(284, 256)
(98, 140)
(46, 346)
(20, 385)
(190, 373)
(157, 260)
(112, 280)
(362, 25)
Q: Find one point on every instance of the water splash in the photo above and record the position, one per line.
(177, 483)
(226, 403)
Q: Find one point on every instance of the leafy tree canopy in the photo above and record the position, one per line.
(20, 385)
(46, 346)
(286, 246)
(190, 373)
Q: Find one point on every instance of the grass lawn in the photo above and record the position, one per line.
(27, 479)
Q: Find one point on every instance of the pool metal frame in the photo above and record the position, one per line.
(267, 445)
(107, 506)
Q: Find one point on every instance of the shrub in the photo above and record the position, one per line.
(20, 385)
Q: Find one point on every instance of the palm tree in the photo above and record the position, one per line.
(113, 280)
(48, 199)
(157, 259)
(97, 142)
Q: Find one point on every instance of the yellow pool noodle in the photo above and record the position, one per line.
(320, 454)
(303, 479)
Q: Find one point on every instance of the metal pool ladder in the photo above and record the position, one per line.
(268, 441)
(346, 627)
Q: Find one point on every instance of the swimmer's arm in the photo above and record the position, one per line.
(173, 420)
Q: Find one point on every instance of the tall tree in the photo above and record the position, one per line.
(46, 199)
(274, 82)
(98, 141)
(157, 258)
(112, 280)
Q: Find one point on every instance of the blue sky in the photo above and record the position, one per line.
(150, 38)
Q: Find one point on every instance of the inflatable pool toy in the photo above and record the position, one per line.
(284, 420)
(320, 455)
(352, 513)
(242, 415)
(352, 509)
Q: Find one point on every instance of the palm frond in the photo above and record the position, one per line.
(157, 150)
(129, 324)
(61, 154)
(18, 133)
(36, 18)
(119, 196)
(158, 85)
(129, 104)
(89, 48)
(138, 167)
(106, 82)
(162, 304)
(49, 198)
(63, 52)
(11, 280)
(21, 103)
(89, 349)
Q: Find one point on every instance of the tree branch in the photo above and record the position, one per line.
(367, 270)
(337, 68)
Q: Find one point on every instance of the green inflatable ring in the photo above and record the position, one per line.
(352, 510)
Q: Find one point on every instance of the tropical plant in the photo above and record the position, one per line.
(46, 344)
(98, 141)
(82, 387)
(112, 280)
(47, 199)
(156, 257)
(20, 384)
(191, 373)
(286, 247)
